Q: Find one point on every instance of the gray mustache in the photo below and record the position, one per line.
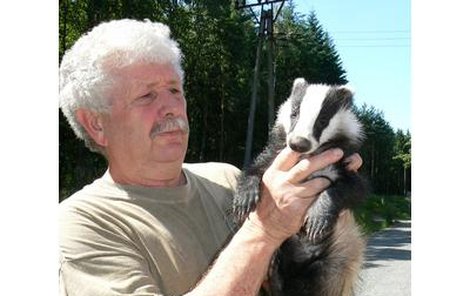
(170, 125)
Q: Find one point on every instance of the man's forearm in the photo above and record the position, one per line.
(241, 267)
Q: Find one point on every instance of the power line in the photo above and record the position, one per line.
(366, 39)
(370, 32)
(372, 39)
(378, 46)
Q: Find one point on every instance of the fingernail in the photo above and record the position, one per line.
(337, 152)
(325, 183)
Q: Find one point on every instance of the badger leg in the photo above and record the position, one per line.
(331, 268)
(246, 197)
(321, 216)
(345, 193)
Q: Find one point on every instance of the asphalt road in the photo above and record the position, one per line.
(387, 268)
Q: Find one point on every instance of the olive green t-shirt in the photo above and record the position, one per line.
(131, 240)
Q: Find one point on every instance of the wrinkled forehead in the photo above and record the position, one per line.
(137, 78)
(146, 73)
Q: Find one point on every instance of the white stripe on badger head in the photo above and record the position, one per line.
(309, 110)
(283, 115)
(343, 122)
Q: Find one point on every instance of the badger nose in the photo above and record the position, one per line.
(299, 144)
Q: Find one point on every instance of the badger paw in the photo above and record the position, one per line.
(321, 217)
(317, 227)
(246, 198)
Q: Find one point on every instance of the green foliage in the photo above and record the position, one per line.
(77, 165)
(304, 50)
(403, 148)
(381, 211)
(386, 154)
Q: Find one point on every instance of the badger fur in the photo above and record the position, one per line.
(325, 257)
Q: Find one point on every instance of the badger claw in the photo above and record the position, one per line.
(246, 199)
(318, 227)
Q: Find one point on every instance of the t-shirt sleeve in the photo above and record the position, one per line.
(220, 179)
(100, 261)
(223, 174)
(98, 277)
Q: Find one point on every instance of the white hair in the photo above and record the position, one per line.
(85, 71)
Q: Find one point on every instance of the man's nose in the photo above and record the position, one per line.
(170, 105)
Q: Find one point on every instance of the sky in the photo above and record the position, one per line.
(373, 40)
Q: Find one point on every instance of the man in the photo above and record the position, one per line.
(153, 225)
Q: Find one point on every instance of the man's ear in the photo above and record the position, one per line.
(92, 122)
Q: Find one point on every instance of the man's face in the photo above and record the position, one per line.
(145, 96)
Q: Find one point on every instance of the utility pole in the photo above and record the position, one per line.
(266, 21)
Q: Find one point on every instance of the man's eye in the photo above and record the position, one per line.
(174, 90)
(146, 99)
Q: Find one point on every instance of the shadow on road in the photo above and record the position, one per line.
(388, 245)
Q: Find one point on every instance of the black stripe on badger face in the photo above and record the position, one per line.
(336, 99)
(304, 107)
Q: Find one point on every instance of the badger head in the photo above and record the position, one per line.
(316, 114)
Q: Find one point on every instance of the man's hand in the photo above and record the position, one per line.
(285, 198)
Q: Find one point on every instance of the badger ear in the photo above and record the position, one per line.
(299, 87)
(299, 81)
(283, 115)
(346, 94)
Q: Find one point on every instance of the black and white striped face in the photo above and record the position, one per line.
(315, 114)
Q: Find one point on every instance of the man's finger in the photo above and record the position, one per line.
(285, 160)
(307, 166)
(354, 162)
(313, 187)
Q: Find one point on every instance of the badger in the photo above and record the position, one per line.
(325, 256)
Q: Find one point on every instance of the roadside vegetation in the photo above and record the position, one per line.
(381, 211)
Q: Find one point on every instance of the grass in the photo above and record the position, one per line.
(381, 211)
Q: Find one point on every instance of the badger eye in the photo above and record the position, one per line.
(294, 114)
(323, 121)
